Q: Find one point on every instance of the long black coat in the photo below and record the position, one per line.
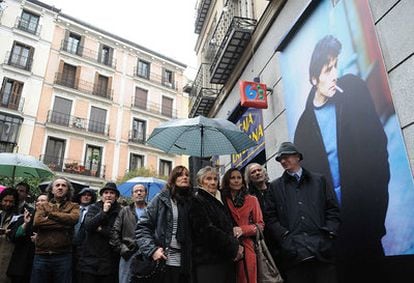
(302, 218)
(212, 231)
(21, 260)
(97, 255)
(363, 165)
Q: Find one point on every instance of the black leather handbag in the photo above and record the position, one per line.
(143, 267)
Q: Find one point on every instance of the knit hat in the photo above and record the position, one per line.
(109, 186)
(287, 148)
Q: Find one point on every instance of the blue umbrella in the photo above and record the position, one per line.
(153, 185)
(200, 136)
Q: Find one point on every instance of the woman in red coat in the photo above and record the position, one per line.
(246, 213)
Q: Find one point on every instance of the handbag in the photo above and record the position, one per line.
(267, 271)
(143, 267)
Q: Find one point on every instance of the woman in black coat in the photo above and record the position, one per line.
(215, 249)
(163, 231)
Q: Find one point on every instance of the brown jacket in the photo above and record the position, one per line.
(54, 223)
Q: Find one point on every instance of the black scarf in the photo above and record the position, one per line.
(183, 198)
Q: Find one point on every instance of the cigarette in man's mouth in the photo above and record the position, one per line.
(339, 89)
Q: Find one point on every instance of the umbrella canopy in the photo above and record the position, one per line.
(19, 165)
(153, 185)
(200, 136)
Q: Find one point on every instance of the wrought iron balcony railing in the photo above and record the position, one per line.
(77, 123)
(59, 164)
(27, 26)
(202, 10)
(203, 93)
(153, 107)
(83, 86)
(155, 78)
(18, 61)
(231, 35)
(80, 50)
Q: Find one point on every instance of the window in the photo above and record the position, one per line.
(68, 76)
(97, 120)
(136, 161)
(167, 106)
(9, 129)
(168, 78)
(93, 160)
(21, 56)
(73, 44)
(61, 111)
(140, 99)
(55, 151)
(11, 91)
(29, 22)
(101, 86)
(138, 131)
(143, 69)
(105, 55)
(165, 167)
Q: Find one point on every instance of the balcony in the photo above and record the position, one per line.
(28, 26)
(136, 137)
(202, 10)
(58, 164)
(155, 78)
(18, 61)
(230, 38)
(153, 107)
(203, 93)
(89, 54)
(77, 123)
(83, 86)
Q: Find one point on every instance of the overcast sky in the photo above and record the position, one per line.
(164, 26)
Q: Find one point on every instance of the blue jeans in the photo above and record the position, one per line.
(124, 270)
(57, 267)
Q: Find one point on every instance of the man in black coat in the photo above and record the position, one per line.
(302, 218)
(98, 261)
(342, 137)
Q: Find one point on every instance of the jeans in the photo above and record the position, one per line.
(124, 269)
(55, 267)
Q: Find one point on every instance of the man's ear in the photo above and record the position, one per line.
(314, 81)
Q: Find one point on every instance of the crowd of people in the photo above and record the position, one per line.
(203, 232)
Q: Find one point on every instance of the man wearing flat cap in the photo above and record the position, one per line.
(302, 218)
(98, 261)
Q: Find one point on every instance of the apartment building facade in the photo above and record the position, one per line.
(253, 40)
(26, 36)
(99, 99)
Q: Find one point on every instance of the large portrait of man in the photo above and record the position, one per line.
(341, 117)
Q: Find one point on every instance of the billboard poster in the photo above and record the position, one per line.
(341, 117)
